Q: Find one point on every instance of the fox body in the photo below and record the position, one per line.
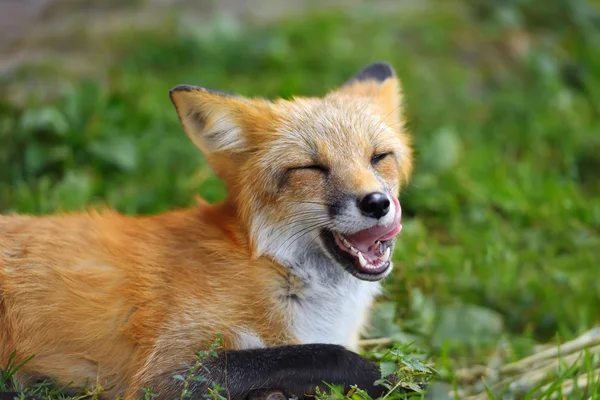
(285, 268)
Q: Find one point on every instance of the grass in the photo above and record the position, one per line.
(501, 243)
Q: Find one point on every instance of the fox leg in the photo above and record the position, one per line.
(295, 370)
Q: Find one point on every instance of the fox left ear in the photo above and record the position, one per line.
(377, 81)
(212, 119)
(219, 124)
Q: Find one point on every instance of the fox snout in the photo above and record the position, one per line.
(350, 213)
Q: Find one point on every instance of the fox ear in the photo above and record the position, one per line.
(377, 81)
(213, 120)
(377, 72)
(221, 125)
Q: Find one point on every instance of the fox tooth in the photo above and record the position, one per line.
(386, 255)
(380, 248)
(346, 243)
(361, 260)
(354, 249)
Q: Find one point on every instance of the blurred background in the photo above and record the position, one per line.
(501, 243)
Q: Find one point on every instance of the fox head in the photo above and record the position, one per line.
(310, 174)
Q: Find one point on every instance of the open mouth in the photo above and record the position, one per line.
(365, 254)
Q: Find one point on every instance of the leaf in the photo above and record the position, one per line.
(119, 151)
(81, 103)
(388, 368)
(179, 377)
(383, 321)
(488, 391)
(423, 312)
(467, 324)
(413, 386)
(444, 151)
(46, 119)
(38, 156)
(74, 191)
(415, 364)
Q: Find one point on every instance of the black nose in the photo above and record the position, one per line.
(375, 205)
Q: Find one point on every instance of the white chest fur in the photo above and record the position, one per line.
(324, 303)
(329, 307)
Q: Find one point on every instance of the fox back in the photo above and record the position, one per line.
(292, 256)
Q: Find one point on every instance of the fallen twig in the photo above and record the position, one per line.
(522, 376)
(588, 339)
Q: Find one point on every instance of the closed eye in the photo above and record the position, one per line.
(378, 157)
(315, 167)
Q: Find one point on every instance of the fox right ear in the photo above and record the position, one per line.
(378, 72)
(213, 120)
(379, 83)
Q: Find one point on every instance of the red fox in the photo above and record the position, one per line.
(285, 268)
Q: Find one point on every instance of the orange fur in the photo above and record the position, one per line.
(95, 294)
(102, 297)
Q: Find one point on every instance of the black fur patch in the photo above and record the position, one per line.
(379, 71)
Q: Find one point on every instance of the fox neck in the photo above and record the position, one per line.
(329, 305)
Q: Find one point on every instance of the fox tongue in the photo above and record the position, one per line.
(366, 240)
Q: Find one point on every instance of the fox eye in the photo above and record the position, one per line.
(315, 167)
(378, 157)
